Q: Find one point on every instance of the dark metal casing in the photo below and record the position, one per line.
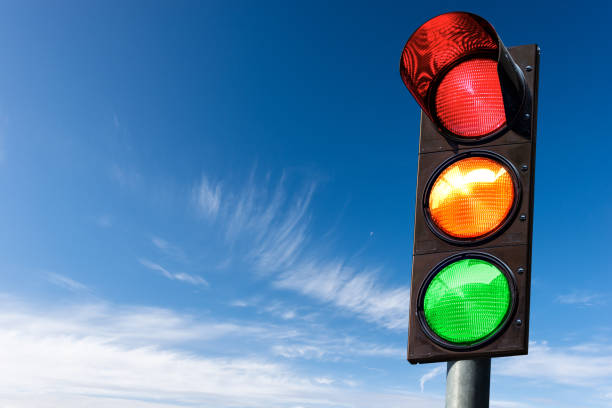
(511, 244)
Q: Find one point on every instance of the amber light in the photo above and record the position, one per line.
(471, 197)
(469, 100)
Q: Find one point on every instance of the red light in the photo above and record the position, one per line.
(469, 99)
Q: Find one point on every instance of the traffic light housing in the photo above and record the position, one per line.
(473, 218)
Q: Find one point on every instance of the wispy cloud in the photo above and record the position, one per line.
(281, 236)
(273, 222)
(581, 298)
(434, 372)
(207, 197)
(65, 282)
(276, 226)
(183, 277)
(357, 292)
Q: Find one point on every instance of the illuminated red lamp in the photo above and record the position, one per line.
(469, 100)
(454, 65)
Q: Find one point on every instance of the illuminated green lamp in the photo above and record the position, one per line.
(467, 301)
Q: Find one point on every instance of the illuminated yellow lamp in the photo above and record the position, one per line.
(471, 197)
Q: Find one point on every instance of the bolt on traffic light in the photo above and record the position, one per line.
(473, 220)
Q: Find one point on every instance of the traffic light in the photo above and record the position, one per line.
(473, 222)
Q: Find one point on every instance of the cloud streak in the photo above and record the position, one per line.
(431, 374)
(581, 298)
(183, 277)
(66, 282)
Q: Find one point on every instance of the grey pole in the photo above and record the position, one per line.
(467, 383)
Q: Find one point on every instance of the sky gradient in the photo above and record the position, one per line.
(210, 204)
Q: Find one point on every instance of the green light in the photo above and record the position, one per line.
(467, 301)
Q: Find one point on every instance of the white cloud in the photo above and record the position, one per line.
(138, 327)
(434, 372)
(568, 366)
(92, 366)
(208, 197)
(102, 356)
(183, 277)
(591, 348)
(128, 325)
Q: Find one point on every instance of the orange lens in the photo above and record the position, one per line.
(471, 197)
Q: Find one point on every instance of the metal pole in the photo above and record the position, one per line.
(467, 383)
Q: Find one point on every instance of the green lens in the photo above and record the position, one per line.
(467, 301)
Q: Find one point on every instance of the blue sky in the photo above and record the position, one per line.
(211, 204)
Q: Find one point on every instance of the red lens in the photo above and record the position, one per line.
(469, 100)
